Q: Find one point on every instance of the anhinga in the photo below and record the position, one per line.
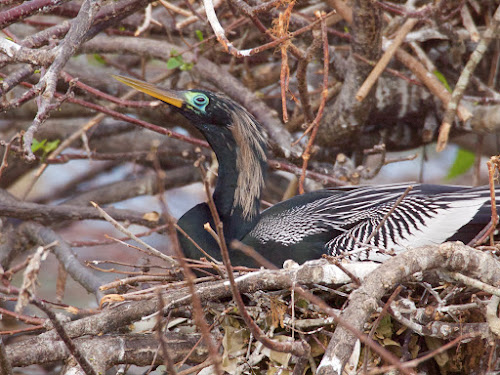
(331, 221)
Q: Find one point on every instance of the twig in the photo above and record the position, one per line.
(469, 24)
(75, 352)
(463, 81)
(322, 178)
(324, 94)
(488, 230)
(384, 60)
(73, 39)
(167, 359)
(23, 318)
(125, 231)
(493, 164)
(27, 9)
(250, 252)
(198, 314)
(389, 213)
(298, 348)
(469, 281)
(148, 18)
(175, 8)
(112, 240)
(415, 362)
(283, 25)
(7, 146)
(339, 264)
(301, 77)
(183, 232)
(196, 304)
(377, 321)
(430, 81)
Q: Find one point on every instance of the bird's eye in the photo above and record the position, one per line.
(200, 100)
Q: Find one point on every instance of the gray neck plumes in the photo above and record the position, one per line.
(250, 161)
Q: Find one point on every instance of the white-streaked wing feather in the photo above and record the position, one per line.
(419, 219)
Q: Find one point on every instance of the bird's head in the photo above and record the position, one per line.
(227, 126)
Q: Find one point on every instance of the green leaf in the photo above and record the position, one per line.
(98, 58)
(174, 62)
(35, 145)
(384, 329)
(51, 146)
(464, 160)
(186, 66)
(45, 146)
(442, 79)
(199, 35)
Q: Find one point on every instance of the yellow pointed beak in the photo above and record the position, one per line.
(167, 96)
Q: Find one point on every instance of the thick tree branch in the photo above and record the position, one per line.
(454, 257)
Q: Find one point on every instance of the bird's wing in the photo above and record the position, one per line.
(416, 221)
(428, 214)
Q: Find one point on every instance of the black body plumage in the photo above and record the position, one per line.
(338, 221)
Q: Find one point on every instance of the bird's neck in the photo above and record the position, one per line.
(242, 167)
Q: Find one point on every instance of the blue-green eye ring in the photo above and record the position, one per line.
(200, 100)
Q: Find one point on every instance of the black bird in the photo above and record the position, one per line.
(337, 221)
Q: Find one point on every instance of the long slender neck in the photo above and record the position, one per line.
(236, 197)
(241, 153)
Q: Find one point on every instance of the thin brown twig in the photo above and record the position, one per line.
(384, 60)
(198, 311)
(167, 359)
(324, 94)
(250, 252)
(151, 250)
(122, 102)
(389, 213)
(28, 330)
(183, 232)
(377, 322)
(415, 362)
(429, 80)
(196, 368)
(297, 348)
(283, 24)
(335, 260)
(112, 241)
(75, 352)
(384, 353)
(493, 164)
(8, 146)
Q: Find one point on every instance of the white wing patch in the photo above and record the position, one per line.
(436, 226)
(446, 223)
